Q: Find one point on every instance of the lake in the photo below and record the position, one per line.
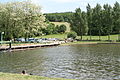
(85, 62)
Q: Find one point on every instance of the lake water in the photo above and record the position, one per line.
(85, 62)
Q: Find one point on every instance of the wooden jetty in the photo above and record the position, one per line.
(29, 46)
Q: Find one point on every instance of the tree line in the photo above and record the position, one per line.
(100, 20)
(24, 19)
(59, 17)
(21, 19)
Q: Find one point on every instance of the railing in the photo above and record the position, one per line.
(4, 43)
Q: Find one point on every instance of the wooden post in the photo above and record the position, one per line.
(10, 46)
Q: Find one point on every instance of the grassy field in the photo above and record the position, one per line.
(112, 37)
(65, 23)
(8, 76)
(54, 36)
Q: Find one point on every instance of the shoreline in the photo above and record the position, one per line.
(11, 76)
(86, 43)
(34, 46)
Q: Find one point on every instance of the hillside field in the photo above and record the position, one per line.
(65, 23)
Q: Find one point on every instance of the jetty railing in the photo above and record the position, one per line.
(4, 43)
(13, 47)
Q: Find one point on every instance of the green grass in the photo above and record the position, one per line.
(8, 76)
(54, 36)
(112, 37)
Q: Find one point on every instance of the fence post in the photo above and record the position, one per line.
(10, 46)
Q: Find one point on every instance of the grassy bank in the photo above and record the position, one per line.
(8, 76)
(91, 42)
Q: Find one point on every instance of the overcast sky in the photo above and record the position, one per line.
(50, 6)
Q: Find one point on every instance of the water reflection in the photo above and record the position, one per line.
(86, 62)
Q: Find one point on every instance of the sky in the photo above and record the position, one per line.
(52, 6)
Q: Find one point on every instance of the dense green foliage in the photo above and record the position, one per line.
(24, 19)
(52, 29)
(61, 29)
(72, 35)
(79, 22)
(59, 17)
(99, 20)
(20, 19)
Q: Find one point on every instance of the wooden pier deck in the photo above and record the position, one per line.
(28, 46)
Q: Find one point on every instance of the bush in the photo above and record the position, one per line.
(61, 29)
(50, 29)
(72, 35)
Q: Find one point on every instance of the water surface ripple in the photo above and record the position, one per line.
(85, 62)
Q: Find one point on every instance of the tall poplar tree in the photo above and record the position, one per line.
(89, 19)
(116, 17)
(97, 16)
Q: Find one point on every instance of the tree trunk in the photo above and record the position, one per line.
(119, 36)
(81, 34)
(90, 35)
(99, 35)
(109, 37)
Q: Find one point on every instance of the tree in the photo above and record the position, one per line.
(116, 17)
(89, 19)
(85, 23)
(107, 20)
(59, 17)
(72, 35)
(21, 19)
(79, 23)
(50, 29)
(97, 18)
(62, 28)
(76, 22)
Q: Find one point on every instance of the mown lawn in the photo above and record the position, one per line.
(54, 36)
(112, 37)
(8, 76)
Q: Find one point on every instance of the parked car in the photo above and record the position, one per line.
(38, 40)
(52, 39)
(31, 40)
(20, 39)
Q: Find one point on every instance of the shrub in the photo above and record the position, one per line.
(61, 29)
(50, 29)
(72, 35)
